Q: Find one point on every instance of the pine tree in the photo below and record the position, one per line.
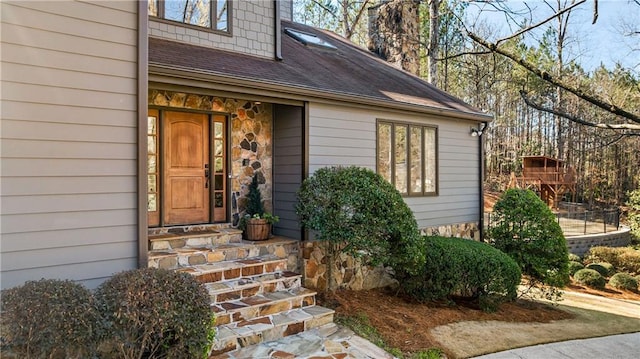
(254, 199)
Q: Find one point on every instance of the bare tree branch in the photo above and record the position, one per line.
(532, 104)
(464, 53)
(593, 99)
(529, 28)
(330, 11)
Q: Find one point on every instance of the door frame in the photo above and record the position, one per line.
(160, 162)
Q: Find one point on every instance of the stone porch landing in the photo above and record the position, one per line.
(329, 341)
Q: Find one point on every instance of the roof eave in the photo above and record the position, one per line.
(253, 84)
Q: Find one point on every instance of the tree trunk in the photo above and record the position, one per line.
(432, 51)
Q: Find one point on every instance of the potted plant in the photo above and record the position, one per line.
(256, 223)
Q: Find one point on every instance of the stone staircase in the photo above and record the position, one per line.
(255, 287)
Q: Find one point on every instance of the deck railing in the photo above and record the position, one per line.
(578, 223)
(549, 177)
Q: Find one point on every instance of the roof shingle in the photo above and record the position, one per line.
(348, 70)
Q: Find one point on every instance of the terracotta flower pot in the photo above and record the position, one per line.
(257, 229)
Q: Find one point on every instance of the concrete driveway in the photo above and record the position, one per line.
(622, 346)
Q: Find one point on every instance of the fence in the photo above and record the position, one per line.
(581, 222)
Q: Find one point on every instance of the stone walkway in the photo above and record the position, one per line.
(329, 341)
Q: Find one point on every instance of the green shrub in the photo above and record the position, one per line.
(527, 231)
(590, 278)
(605, 269)
(49, 318)
(634, 213)
(574, 258)
(152, 313)
(624, 259)
(471, 269)
(574, 267)
(355, 211)
(624, 281)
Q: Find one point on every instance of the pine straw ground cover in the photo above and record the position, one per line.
(406, 328)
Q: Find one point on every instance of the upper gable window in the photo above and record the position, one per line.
(210, 14)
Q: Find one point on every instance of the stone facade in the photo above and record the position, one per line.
(459, 230)
(394, 33)
(352, 274)
(348, 272)
(252, 30)
(250, 142)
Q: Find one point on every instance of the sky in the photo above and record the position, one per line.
(590, 45)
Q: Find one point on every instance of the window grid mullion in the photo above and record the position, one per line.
(407, 136)
(423, 178)
(392, 153)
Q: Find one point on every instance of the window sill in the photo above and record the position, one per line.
(189, 26)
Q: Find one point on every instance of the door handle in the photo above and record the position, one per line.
(206, 175)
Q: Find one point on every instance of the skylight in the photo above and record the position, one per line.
(308, 39)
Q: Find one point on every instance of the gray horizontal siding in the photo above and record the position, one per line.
(347, 136)
(69, 127)
(27, 241)
(287, 168)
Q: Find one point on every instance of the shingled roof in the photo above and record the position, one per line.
(348, 71)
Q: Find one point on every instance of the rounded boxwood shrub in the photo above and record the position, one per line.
(624, 259)
(49, 318)
(466, 268)
(153, 313)
(624, 281)
(526, 229)
(590, 278)
(357, 212)
(605, 269)
(574, 258)
(574, 267)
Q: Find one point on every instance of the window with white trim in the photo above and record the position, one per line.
(210, 14)
(407, 157)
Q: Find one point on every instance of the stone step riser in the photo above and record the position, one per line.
(256, 288)
(186, 257)
(229, 313)
(238, 335)
(244, 272)
(209, 240)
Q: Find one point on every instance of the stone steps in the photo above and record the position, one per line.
(260, 305)
(249, 286)
(236, 269)
(255, 289)
(238, 335)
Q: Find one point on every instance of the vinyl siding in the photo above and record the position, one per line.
(69, 140)
(347, 136)
(287, 168)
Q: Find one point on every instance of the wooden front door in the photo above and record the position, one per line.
(186, 192)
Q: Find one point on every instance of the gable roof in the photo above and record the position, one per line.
(346, 73)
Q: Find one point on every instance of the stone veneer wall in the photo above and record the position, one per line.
(251, 140)
(460, 230)
(352, 274)
(580, 245)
